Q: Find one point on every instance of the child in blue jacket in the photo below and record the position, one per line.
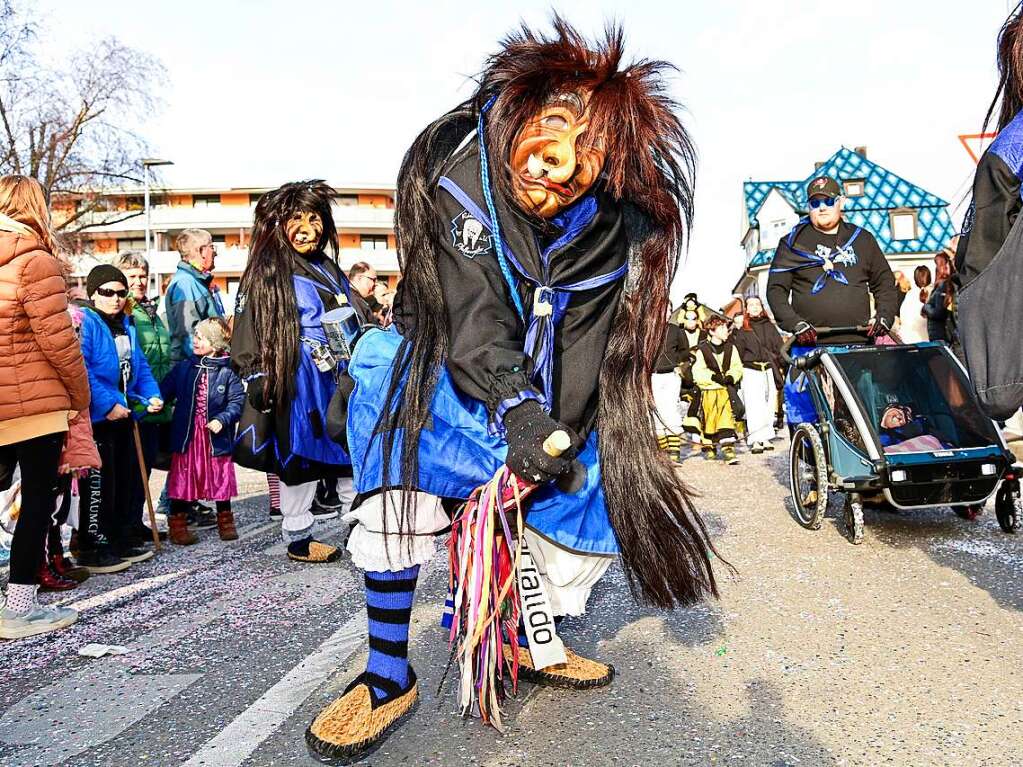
(119, 378)
(209, 396)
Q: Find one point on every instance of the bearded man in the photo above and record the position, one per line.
(536, 260)
(824, 274)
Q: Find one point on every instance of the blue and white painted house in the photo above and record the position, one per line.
(909, 223)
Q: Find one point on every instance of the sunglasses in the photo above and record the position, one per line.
(816, 202)
(107, 293)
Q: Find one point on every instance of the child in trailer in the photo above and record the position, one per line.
(209, 397)
(540, 223)
(717, 373)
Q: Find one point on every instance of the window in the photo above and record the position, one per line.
(373, 242)
(254, 198)
(219, 238)
(854, 187)
(133, 244)
(347, 200)
(205, 200)
(903, 224)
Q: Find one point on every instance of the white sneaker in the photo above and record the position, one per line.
(39, 620)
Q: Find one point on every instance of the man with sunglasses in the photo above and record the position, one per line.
(191, 294)
(828, 273)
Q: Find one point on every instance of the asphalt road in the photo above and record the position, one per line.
(906, 650)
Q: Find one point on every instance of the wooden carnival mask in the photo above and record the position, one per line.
(304, 229)
(555, 159)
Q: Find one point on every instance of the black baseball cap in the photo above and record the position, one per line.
(823, 186)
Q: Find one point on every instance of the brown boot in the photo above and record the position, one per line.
(225, 526)
(180, 535)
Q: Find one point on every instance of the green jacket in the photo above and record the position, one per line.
(155, 342)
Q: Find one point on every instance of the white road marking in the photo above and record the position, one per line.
(245, 534)
(107, 597)
(237, 742)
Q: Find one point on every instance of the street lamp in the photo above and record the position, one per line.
(147, 163)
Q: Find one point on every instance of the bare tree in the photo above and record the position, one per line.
(74, 128)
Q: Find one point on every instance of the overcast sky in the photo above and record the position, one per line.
(263, 92)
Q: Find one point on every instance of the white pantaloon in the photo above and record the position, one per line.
(666, 388)
(759, 397)
(297, 519)
(569, 577)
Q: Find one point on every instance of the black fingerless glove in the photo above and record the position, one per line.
(719, 378)
(258, 395)
(527, 426)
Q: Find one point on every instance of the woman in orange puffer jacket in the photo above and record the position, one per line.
(43, 383)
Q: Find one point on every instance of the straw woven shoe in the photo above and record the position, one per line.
(356, 724)
(578, 673)
(318, 553)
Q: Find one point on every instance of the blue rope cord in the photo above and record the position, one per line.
(502, 261)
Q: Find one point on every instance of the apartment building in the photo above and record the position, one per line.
(364, 216)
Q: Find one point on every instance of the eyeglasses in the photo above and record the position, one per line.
(107, 293)
(816, 202)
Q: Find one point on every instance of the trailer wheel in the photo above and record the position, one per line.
(852, 514)
(808, 476)
(1009, 506)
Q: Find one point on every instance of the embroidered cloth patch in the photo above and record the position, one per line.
(469, 236)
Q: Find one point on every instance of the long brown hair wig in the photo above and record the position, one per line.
(266, 282)
(1008, 100)
(650, 167)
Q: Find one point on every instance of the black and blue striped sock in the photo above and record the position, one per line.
(389, 597)
(524, 640)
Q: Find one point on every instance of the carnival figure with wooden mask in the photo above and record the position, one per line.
(539, 225)
(290, 280)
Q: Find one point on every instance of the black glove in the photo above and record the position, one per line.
(719, 378)
(805, 333)
(878, 327)
(526, 428)
(258, 396)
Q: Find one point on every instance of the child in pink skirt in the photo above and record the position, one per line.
(209, 398)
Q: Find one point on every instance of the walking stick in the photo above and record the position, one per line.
(145, 484)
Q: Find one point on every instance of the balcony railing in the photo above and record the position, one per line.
(232, 260)
(169, 218)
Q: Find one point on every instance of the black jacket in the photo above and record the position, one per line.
(939, 318)
(760, 344)
(996, 203)
(790, 293)
(277, 425)
(486, 357)
(673, 351)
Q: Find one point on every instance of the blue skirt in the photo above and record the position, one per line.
(458, 452)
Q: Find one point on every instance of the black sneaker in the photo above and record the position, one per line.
(196, 509)
(326, 495)
(322, 512)
(141, 535)
(205, 518)
(132, 554)
(276, 513)
(101, 561)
